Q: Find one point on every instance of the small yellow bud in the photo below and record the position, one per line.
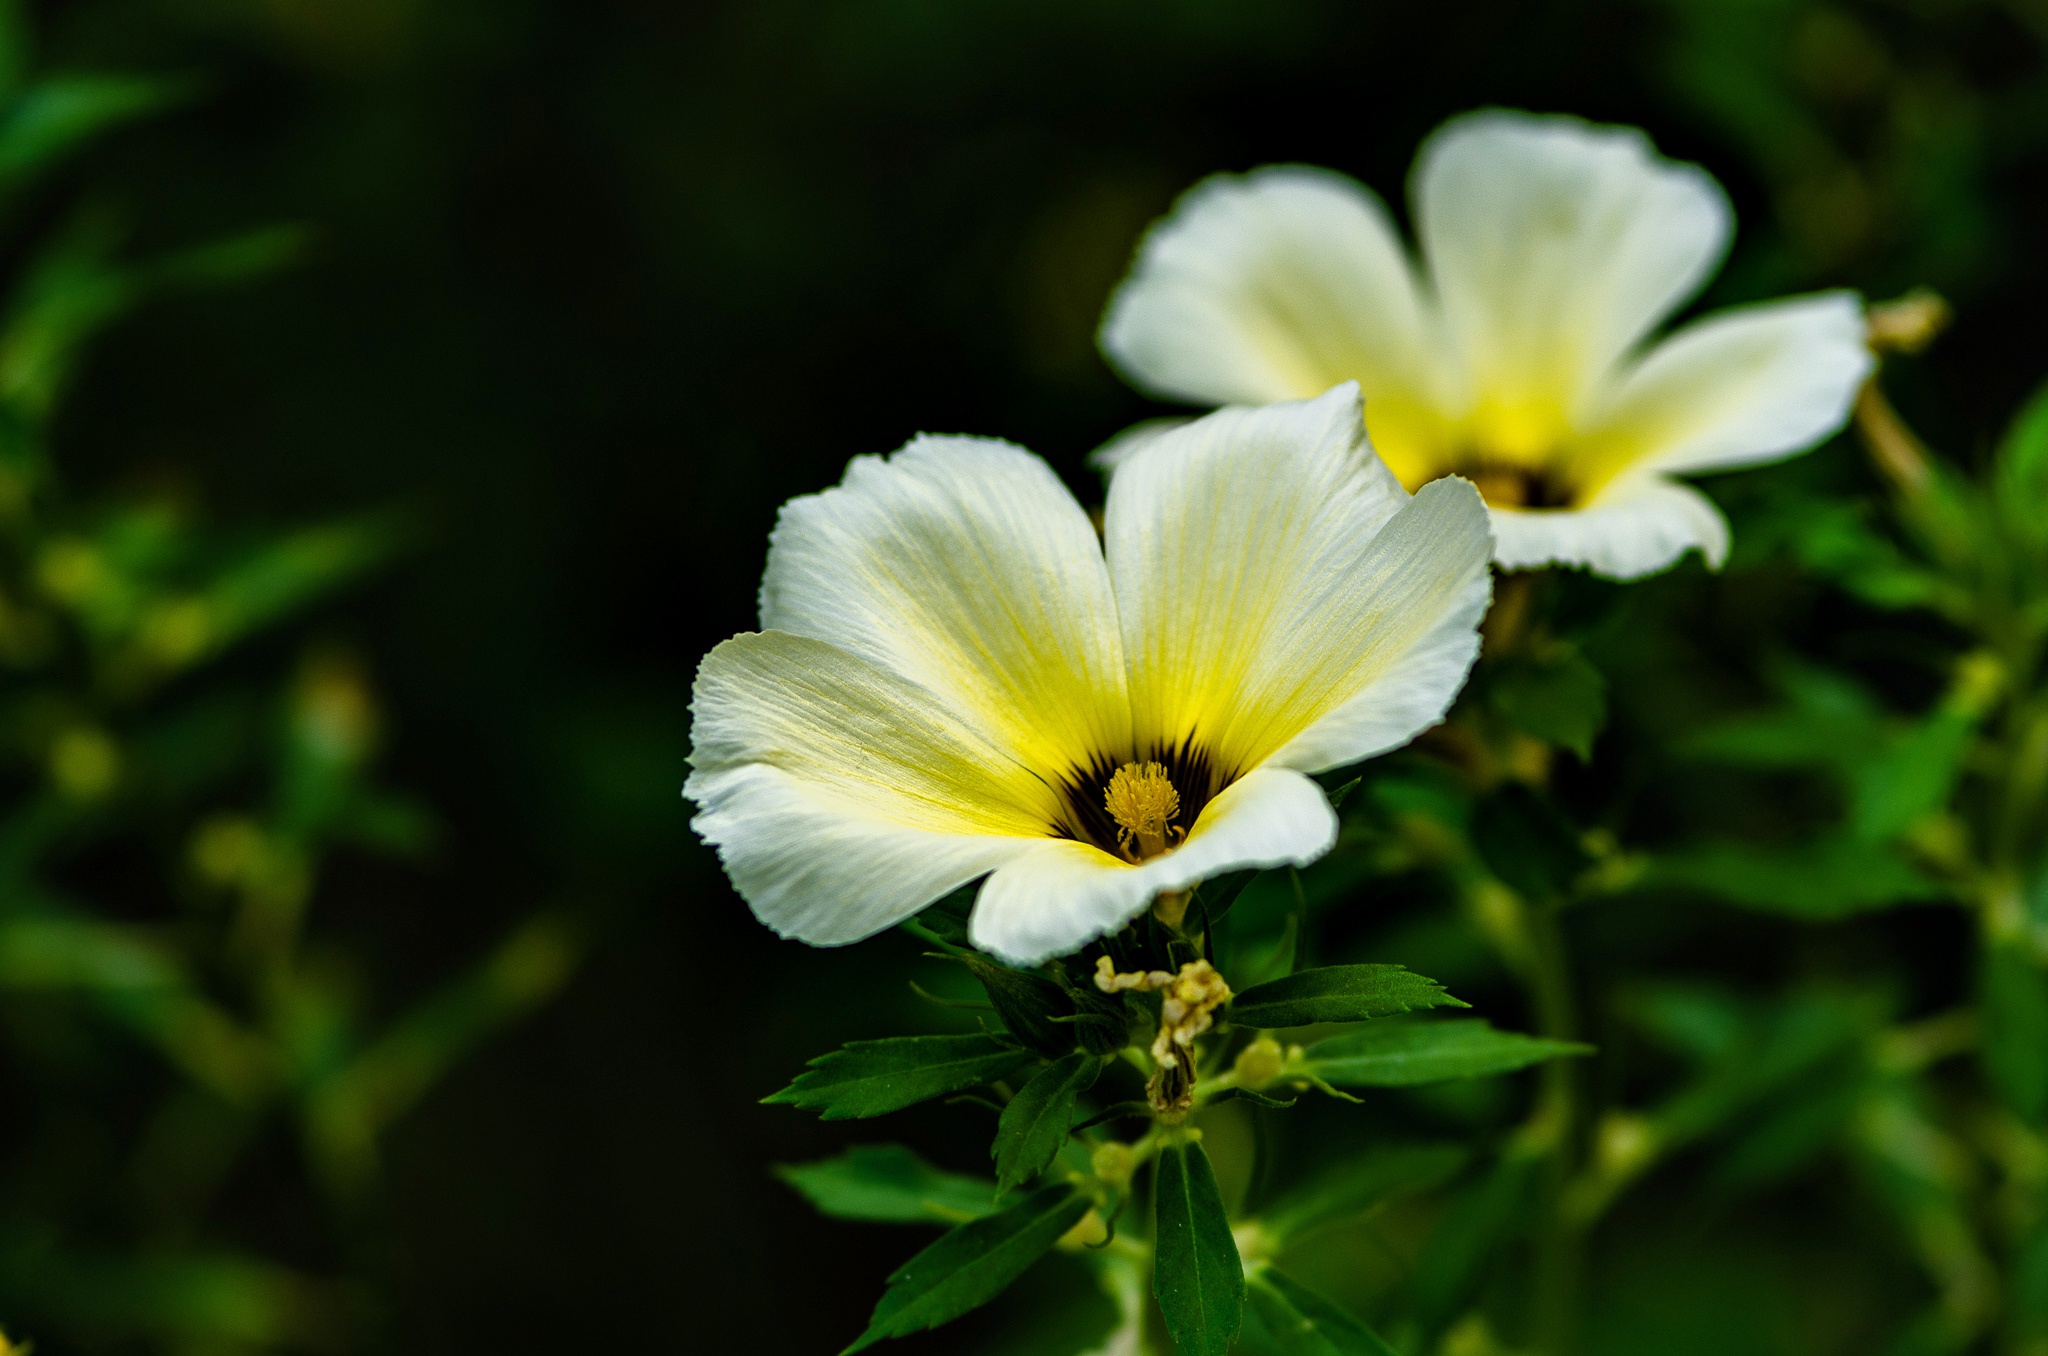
(1907, 324)
(71, 570)
(84, 763)
(226, 848)
(1626, 1143)
(1114, 1163)
(1258, 1063)
(1089, 1232)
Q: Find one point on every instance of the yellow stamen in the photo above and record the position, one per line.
(1188, 1002)
(1142, 800)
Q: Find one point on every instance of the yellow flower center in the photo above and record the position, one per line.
(1142, 800)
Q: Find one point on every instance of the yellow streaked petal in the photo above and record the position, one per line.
(1058, 896)
(1278, 285)
(841, 797)
(965, 566)
(1742, 386)
(1256, 594)
(1554, 246)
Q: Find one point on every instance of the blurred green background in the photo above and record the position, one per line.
(586, 291)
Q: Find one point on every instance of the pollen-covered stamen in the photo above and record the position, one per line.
(1142, 800)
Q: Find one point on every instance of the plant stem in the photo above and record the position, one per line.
(1559, 1237)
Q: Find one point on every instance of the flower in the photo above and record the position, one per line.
(954, 678)
(1516, 353)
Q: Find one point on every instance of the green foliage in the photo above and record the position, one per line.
(888, 1184)
(1032, 1008)
(1289, 1319)
(972, 1264)
(1034, 1125)
(873, 1078)
(1337, 993)
(1197, 1276)
(215, 1013)
(1559, 698)
(2013, 995)
(1360, 1185)
(1405, 1054)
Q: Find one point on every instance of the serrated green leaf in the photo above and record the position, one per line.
(973, 1264)
(888, 1184)
(1831, 878)
(2013, 998)
(1197, 1276)
(1363, 1183)
(1560, 699)
(1406, 1054)
(1028, 1005)
(1337, 993)
(1035, 1123)
(872, 1078)
(1295, 1321)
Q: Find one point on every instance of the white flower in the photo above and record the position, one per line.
(955, 678)
(1516, 354)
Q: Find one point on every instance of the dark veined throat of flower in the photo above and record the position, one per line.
(956, 679)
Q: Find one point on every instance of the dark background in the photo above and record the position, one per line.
(598, 285)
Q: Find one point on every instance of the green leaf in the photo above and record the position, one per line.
(1828, 879)
(1035, 1123)
(1361, 1184)
(1197, 1276)
(1214, 897)
(872, 1078)
(888, 1184)
(1561, 699)
(1528, 843)
(971, 1265)
(1028, 1005)
(1405, 1054)
(1337, 993)
(1296, 1321)
(1452, 1263)
(58, 114)
(2013, 994)
(1912, 775)
(2019, 474)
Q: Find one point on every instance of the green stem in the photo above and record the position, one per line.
(1559, 1237)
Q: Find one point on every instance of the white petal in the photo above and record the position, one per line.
(1742, 386)
(1059, 896)
(1273, 285)
(964, 565)
(841, 797)
(1554, 246)
(1258, 597)
(1418, 586)
(1118, 449)
(1636, 526)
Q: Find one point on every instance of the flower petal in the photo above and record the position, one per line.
(1258, 596)
(1275, 285)
(1739, 387)
(1554, 246)
(841, 797)
(1059, 896)
(1637, 525)
(965, 566)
